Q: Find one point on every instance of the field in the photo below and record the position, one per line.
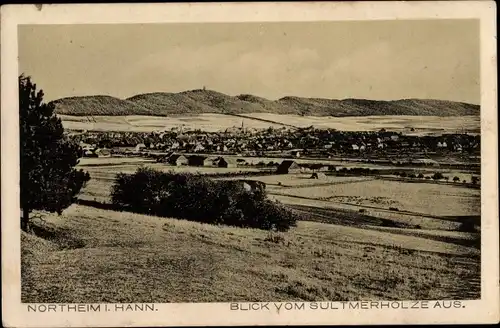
(92, 254)
(137, 123)
(375, 194)
(425, 198)
(216, 122)
(421, 124)
(99, 255)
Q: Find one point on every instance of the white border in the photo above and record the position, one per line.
(14, 313)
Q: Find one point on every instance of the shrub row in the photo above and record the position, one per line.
(198, 198)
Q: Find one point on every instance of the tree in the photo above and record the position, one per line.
(420, 176)
(438, 176)
(49, 180)
(456, 179)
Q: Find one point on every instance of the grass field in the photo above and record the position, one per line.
(215, 122)
(421, 124)
(94, 255)
(425, 198)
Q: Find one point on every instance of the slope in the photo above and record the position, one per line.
(208, 101)
(98, 105)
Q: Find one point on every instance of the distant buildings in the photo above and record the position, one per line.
(288, 166)
(198, 160)
(227, 162)
(289, 143)
(177, 160)
(103, 152)
(97, 152)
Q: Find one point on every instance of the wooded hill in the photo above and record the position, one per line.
(208, 101)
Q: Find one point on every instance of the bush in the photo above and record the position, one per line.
(467, 226)
(198, 198)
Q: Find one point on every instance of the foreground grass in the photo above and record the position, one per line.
(92, 255)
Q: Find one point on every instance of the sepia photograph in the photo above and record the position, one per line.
(245, 162)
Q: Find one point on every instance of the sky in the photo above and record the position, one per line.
(380, 60)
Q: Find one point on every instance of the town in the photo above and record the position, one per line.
(311, 142)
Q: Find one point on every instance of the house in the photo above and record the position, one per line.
(89, 153)
(85, 146)
(140, 146)
(288, 166)
(103, 152)
(198, 160)
(175, 145)
(222, 148)
(227, 162)
(199, 147)
(442, 144)
(394, 137)
(177, 160)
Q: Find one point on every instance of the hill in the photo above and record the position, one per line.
(98, 105)
(208, 101)
(95, 256)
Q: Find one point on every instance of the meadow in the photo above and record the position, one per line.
(425, 198)
(92, 254)
(421, 125)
